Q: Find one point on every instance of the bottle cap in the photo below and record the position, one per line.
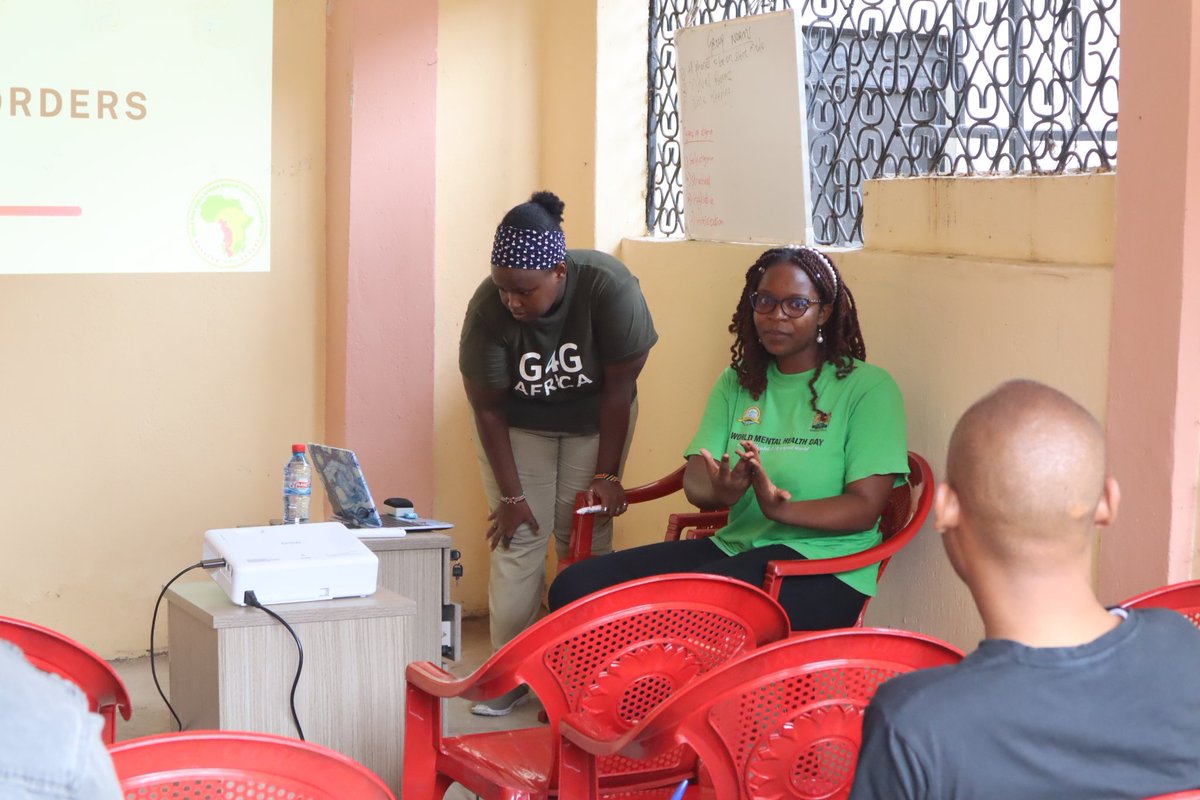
(298, 448)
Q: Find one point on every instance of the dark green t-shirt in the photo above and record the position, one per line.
(813, 456)
(553, 367)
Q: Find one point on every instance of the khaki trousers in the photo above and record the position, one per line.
(552, 467)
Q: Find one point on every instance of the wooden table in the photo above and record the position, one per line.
(232, 669)
(417, 565)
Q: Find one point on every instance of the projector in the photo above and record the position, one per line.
(292, 563)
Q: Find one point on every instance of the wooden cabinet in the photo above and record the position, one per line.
(418, 566)
(232, 668)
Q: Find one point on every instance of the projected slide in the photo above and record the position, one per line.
(135, 136)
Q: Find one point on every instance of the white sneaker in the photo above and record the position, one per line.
(503, 705)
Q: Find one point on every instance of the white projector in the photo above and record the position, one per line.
(292, 563)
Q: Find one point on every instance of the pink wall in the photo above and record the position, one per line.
(1154, 383)
(381, 132)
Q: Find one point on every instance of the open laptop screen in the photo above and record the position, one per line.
(345, 485)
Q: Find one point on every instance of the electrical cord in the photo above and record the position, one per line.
(252, 600)
(211, 563)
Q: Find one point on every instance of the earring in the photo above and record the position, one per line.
(820, 336)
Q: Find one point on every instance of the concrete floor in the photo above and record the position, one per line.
(150, 715)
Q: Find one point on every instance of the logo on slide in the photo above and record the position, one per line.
(227, 223)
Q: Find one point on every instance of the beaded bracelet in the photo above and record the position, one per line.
(513, 501)
(606, 476)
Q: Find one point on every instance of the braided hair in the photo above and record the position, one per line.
(843, 337)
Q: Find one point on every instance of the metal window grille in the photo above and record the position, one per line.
(915, 87)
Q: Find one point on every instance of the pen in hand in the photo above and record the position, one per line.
(589, 510)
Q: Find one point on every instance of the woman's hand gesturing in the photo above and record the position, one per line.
(771, 499)
(728, 484)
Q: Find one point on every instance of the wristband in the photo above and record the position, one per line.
(606, 476)
(513, 501)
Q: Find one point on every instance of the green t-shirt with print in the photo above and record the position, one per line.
(553, 367)
(860, 433)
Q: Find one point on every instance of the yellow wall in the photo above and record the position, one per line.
(567, 105)
(141, 410)
(489, 140)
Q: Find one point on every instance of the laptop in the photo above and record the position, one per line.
(346, 487)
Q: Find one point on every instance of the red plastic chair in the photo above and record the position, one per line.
(1189, 795)
(1182, 597)
(781, 721)
(52, 652)
(613, 655)
(198, 765)
(907, 508)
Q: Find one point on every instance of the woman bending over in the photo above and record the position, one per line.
(551, 349)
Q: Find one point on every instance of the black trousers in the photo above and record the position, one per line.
(812, 602)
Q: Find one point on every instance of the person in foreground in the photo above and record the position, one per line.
(1063, 699)
(50, 747)
(551, 349)
(801, 439)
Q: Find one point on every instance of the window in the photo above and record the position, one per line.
(916, 87)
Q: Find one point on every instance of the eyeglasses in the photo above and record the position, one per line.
(794, 307)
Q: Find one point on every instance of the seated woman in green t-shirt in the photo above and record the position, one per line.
(801, 439)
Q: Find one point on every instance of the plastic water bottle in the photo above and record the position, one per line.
(297, 487)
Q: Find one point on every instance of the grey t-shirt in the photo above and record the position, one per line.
(1116, 718)
(553, 367)
(49, 743)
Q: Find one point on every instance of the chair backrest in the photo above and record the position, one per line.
(53, 652)
(1181, 597)
(908, 504)
(786, 720)
(905, 513)
(620, 652)
(208, 764)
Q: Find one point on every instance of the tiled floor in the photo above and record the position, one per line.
(150, 715)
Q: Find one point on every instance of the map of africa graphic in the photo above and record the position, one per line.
(227, 222)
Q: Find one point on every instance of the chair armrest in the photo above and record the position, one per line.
(677, 523)
(580, 545)
(668, 484)
(778, 570)
(435, 681)
(432, 679)
(582, 730)
(120, 695)
(493, 678)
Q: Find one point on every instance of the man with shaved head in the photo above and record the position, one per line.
(1064, 698)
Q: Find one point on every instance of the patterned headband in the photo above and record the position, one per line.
(833, 274)
(519, 248)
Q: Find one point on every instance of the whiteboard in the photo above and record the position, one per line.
(743, 130)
